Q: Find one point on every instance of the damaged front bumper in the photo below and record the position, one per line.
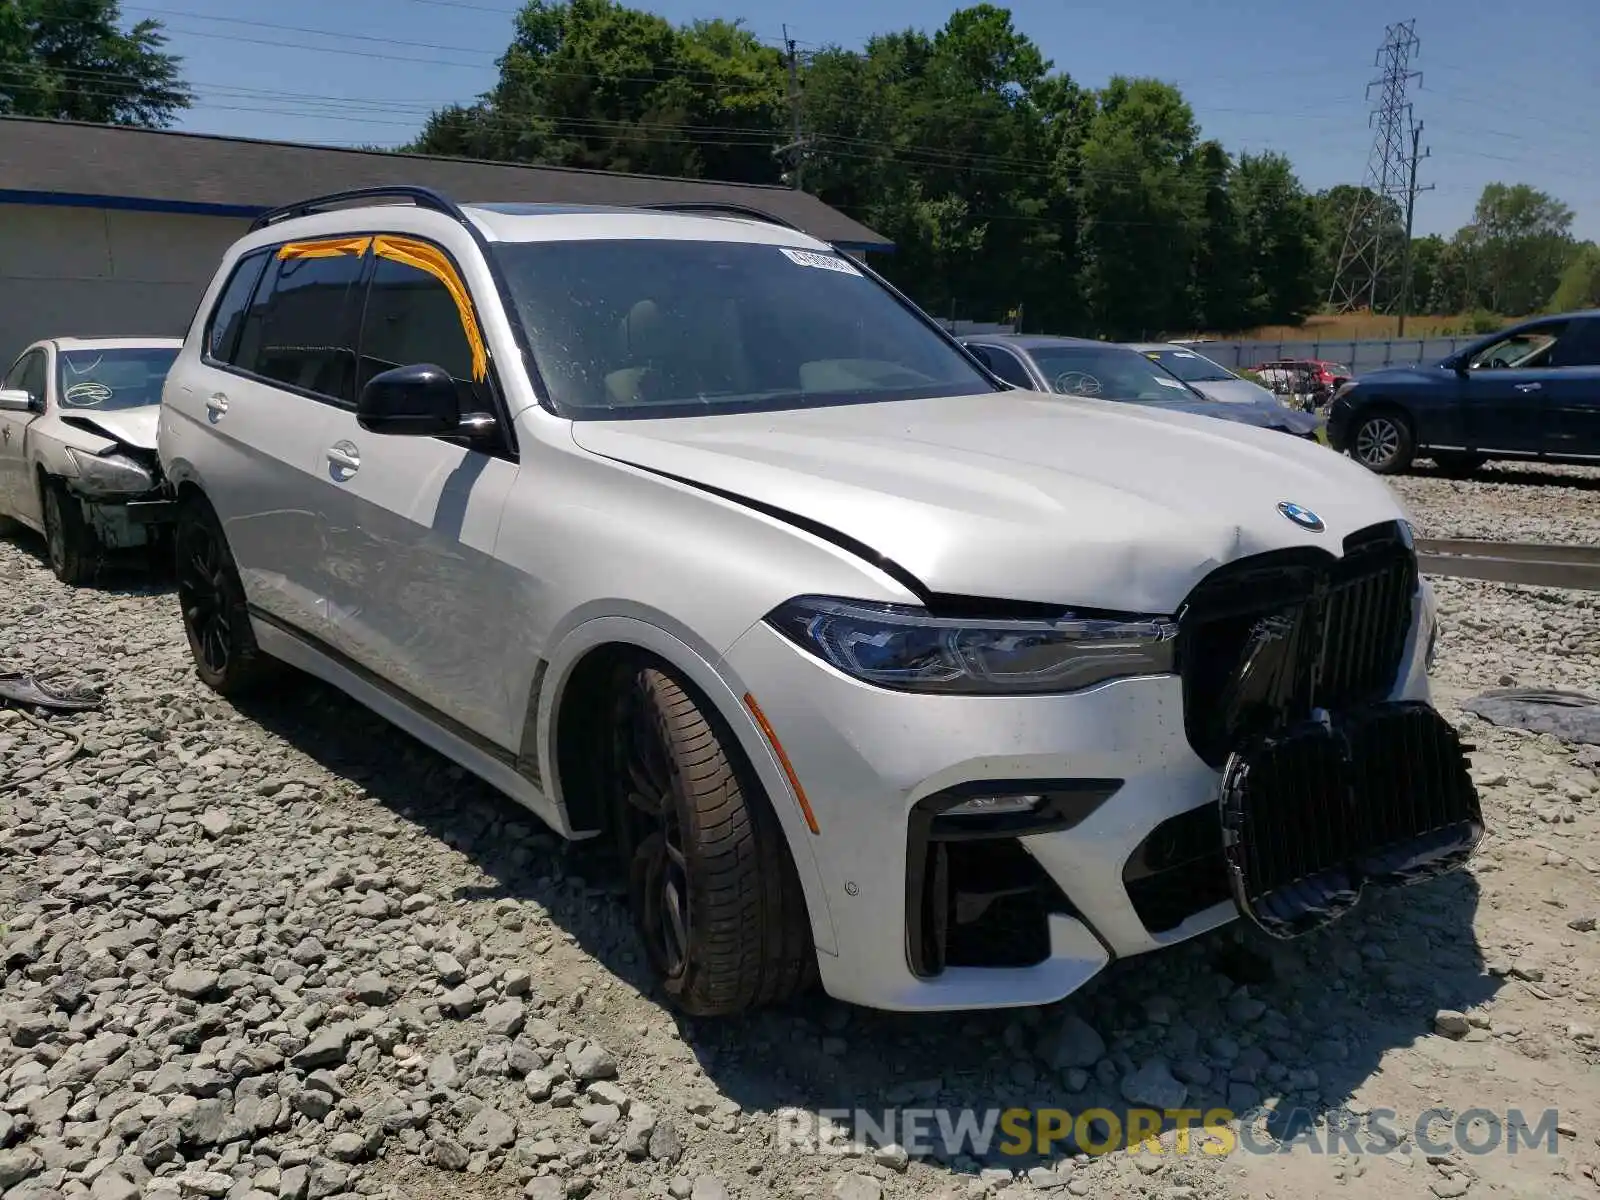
(1000, 851)
(123, 494)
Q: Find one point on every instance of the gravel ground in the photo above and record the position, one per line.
(1508, 502)
(284, 951)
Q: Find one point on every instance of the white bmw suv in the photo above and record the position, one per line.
(684, 529)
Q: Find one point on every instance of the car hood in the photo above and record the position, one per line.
(1425, 374)
(134, 427)
(1019, 495)
(1234, 391)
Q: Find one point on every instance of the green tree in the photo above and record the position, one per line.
(1278, 223)
(1522, 238)
(1224, 292)
(1003, 183)
(1142, 208)
(1580, 281)
(591, 83)
(1427, 260)
(71, 60)
(956, 146)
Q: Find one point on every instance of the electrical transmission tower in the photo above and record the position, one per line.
(1371, 241)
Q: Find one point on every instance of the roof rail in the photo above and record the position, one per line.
(420, 196)
(717, 206)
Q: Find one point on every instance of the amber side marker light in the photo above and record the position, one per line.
(783, 761)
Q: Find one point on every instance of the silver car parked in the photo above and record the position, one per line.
(1210, 379)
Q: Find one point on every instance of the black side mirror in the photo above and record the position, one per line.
(419, 400)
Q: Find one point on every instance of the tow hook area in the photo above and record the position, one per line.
(123, 524)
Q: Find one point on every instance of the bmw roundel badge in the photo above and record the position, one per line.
(1301, 516)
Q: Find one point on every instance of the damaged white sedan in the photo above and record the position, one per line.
(77, 447)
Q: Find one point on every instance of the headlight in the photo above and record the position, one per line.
(1344, 389)
(910, 649)
(111, 475)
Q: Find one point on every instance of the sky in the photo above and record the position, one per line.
(1500, 98)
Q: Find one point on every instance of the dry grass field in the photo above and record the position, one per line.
(1354, 326)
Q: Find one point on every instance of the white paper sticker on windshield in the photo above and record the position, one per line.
(1171, 383)
(827, 262)
(1184, 354)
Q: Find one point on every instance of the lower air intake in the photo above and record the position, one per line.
(1381, 797)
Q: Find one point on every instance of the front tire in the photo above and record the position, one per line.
(1383, 442)
(73, 548)
(714, 893)
(215, 617)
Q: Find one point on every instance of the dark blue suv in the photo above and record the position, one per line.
(1528, 392)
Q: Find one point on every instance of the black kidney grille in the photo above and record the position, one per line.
(1364, 629)
(1266, 641)
(1421, 809)
(1309, 818)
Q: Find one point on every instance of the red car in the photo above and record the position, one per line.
(1313, 377)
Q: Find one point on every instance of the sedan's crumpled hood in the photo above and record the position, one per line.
(134, 427)
(1269, 415)
(1021, 496)
(1234, 391)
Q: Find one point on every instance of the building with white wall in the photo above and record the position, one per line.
(108, 230)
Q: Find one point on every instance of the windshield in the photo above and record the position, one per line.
(662, 328)
(1108, 373)
(1189, 366)
(108, 380)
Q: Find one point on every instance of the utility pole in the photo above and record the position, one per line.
(1417, 155)
(796, 149)
(1367, 256)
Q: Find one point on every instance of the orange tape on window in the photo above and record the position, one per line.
(325, 248)
(429, 258)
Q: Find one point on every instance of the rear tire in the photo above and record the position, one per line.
(715, 896)
(72, 547)
(215, 617)
(1383, 441)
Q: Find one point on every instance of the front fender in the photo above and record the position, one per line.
(47, 453)
(717, 682)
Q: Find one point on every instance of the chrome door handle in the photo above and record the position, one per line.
(217, 405)
(1528, 387)
(344, 456)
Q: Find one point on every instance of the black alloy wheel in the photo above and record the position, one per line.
(212, 601)
(658, 870)
(715, 897)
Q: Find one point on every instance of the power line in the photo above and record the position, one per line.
(1368, 251)
(312, 107)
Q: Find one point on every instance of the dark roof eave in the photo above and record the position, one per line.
(69, 162)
